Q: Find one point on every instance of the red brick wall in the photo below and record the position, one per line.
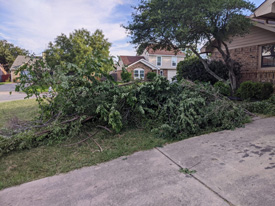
(259, 76)
(247, 56)
(141, 66)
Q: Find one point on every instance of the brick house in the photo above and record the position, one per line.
(256, 50)
(162, 62)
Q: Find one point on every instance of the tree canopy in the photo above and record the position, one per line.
(181, 24)
(9, 52)
(76, 47)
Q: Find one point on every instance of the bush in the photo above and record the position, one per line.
(125, 76)
(192, 69)
(223, 88)
(255, 90)
(151, 75)
(266, 107)
(266, 91)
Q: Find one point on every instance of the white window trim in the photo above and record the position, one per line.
(160, 61)
(161, 73)
(139, 70)
(172, 61)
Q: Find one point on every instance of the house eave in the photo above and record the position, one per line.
(146, 63)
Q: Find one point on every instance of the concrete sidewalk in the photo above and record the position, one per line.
(233, 168)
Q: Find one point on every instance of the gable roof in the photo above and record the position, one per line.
(128, 60)
(2, 70)
(258, 22)
(19, 61)
(143, 61)
(165, 52)
(266, 10)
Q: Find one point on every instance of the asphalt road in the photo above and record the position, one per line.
(7, 93)
(232, 168)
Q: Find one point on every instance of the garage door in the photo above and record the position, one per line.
(171, 74)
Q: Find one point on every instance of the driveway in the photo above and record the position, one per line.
(5, 94)
(232, 168)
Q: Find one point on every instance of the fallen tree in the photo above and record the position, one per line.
(79, 98)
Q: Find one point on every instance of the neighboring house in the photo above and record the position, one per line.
(18, 62)
(256, 50)
(162, 62)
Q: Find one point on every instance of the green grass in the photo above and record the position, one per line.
(2, 83)
(23, 166)
(22, 109)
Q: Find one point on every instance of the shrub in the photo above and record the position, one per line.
(266, 107)
(125, 76)
(223, 88)
(255, 90)
(265, 91)
(246, 90)
(151, 75)
(192, 69)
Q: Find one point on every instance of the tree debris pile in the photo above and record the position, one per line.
(170, 110)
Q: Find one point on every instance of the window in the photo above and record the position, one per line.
(25, 74)
(158, 61)
(174, 61)
(268, 56)
(161, 73)
(139, 74)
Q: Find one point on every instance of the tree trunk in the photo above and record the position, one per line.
(229, 62)
(206, 67)
(232, 76)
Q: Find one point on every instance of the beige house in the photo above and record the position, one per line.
(162, 62)
(256, 50)
(18, 62)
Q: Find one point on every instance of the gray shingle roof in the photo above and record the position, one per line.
(19, 61)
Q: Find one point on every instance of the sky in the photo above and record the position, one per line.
(32, 24)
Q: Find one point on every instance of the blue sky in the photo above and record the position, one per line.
(32, 24)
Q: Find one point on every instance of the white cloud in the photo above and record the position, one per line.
(32, 24)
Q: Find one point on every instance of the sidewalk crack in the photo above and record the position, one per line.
(201, 182)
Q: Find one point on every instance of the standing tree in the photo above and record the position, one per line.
(8, 53)
(182, 24)
(76, 47)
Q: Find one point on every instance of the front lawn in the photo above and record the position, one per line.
(28, 165)
(2, 83)
(21, 109)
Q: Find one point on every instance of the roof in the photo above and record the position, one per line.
(19, 61)
(153, 67)
(266, 10)
(128, 60)
(165, 52)
(260, 23)
(2, 70)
